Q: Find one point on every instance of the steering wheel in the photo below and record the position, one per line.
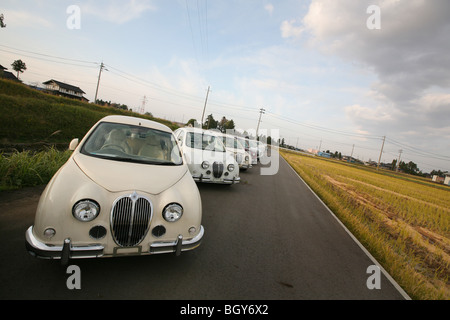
(113, 147)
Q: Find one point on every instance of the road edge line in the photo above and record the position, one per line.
(386, 274)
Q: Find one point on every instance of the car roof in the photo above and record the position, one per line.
(137, 122)
(200, 130)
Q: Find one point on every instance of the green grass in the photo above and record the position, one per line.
(28, 168)
(402, 220)
(30, 116)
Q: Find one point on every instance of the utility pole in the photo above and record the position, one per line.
(351, 157)
(102, 66)
(204, 107)
(261, 111)
(381, 152)
(143, 105)
(398, 161)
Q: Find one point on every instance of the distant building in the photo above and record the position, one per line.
(63, 89)
(324, 154)
(7, 75)
(438, 179)
(447, 179)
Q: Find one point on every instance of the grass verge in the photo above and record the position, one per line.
(28, 168)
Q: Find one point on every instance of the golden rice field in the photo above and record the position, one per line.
(402, 220)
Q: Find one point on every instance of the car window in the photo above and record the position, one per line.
(122, 142)
(202, 141)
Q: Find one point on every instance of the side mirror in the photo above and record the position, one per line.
(73, 144)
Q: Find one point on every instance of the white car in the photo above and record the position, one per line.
(125, 190)
(233, 145)
(262, 149)
(251, 150)
(206, 156)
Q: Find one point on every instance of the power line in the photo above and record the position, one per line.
(47, 55)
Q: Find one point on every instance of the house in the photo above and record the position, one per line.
(447, 179)
(63, 89)
(7, 75)
(324, 154)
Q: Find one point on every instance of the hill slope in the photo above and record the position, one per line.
(28, 116)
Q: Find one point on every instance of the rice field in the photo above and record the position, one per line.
(402, 220)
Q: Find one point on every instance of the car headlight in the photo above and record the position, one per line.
(230, 167)
(172, 212)
(205, 164)
(86, 210)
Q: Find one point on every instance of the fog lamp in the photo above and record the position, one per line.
(49, 233)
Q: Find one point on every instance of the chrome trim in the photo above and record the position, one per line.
(130, 221)
(178, 245)
(41, 250)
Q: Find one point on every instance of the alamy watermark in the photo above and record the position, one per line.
(374, 280)
(74, 280)
(73, 21)
(373, 22)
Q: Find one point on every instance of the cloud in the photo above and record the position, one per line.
(290, 30)
(408, 55)
(269, 8)
(117, 11)
(15, 18)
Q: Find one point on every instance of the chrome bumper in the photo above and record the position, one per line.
(67, 251)
(41, 250)
(202, 178)
(179, 245)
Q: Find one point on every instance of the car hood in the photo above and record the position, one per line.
(117, 176)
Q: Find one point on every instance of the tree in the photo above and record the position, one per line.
(229, 125)
(210, 123)
(2, 24)
(19, 66)
(409, 167)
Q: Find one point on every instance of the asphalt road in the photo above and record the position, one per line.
(266, 238)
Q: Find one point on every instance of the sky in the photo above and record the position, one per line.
(339, 75)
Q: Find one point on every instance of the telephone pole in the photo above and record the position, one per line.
(204, 107)
(261, 111)
(398, 161)
(351, 157)
(381, 152)
(102, 66)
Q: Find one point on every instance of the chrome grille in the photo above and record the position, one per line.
(130, 219)
(239, 158)
(217, 169)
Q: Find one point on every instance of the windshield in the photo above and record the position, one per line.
(204, 141)
(122, 142)
(244, 142)
(253, 144)
(231, 142)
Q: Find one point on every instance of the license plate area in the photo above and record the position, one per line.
(123, 251)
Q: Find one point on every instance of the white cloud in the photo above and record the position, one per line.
(290, 30)
(269, 8)
(117, 11)
(15, 18)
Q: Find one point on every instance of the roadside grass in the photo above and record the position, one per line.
(30, 116)
(29, 168)
(403, 221)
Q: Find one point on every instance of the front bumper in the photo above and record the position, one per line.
(202, 178)
(67, 251)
